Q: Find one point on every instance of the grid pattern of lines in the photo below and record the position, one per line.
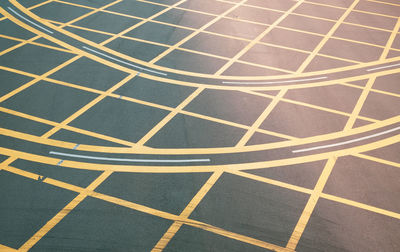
(337, 32)
(284, 96)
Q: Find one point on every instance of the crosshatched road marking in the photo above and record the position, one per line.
(372, 70)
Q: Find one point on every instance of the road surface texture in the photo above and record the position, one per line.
(200, 125)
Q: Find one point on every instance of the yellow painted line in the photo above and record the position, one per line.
(34, 43)
(258, 38)
(361, 11)
(390, 40)
(326, 37)
(199, 52)
(313, 106)
(34, 81)
(312, 202)
(265, 8)
(371, 80)
(170, 233)
(250, 132)
(169, 117)
(361, 205)
(202, 168)
(376, 14)
(385, 92)
(179, 82)
(194, 223)
(32, 7)
(40, 4)
(6, 162)
(382, 2)
(238, 237)
(64, 212)
(359, 105)
(270, 181)
(63, 125)
(78, 18)
(233, 124)
(213, 21)
(372, 89)
(141, 22)
(18, 45)
(4, 248)
(146, 150)
(326, 5)
(378, 160)
(67, 127)
(88, 106)
(368, 27)
(165, 215)
(159, 67)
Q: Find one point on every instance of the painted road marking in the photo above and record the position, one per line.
(124, 62)
(347, 142)
(24, 18)
(273, 82)
(383, 67)
(132, 160)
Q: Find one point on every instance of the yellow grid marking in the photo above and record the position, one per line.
(89, 192)
(169, 117)
(178, 221)
(32, 7)
(64, 212)
(371, 81)
(320, 108)
(250, 132)
(231, 18)
(196, 114)
(303, 221)
(213, 21)
(124, 69)
(170, 233)
(378, 160)
(312, 202)
(67, 127)
(360, 104)
(381, 2)
(88, 106)
(372, 89)
(270, 181)
(326, 38)
(41, 77)
(34, 43)
(361, 206)
(18, 45)
(232, 37)
(356, 10)
(140, 23)
(258, 38)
